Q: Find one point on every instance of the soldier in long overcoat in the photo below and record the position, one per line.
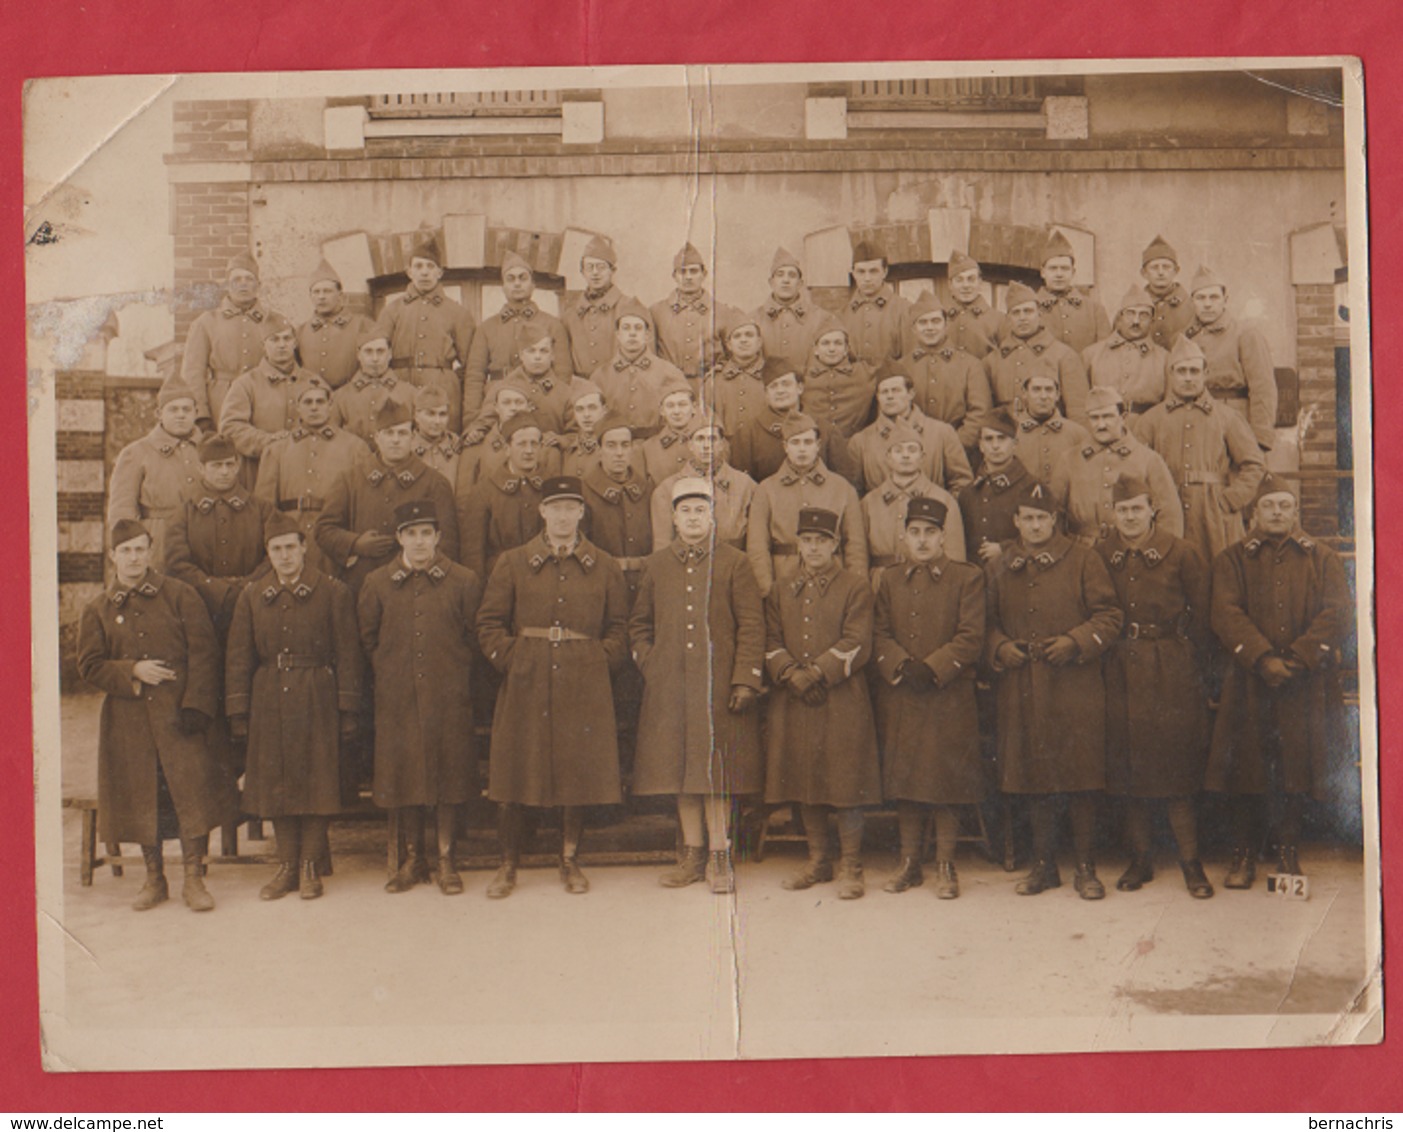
(1027, 348)
(149, 645)
(1156, 686)
(927, 639)
(261, 405)
(1128, 360)
(884, 508)
(554, 622)
(789, 318)
(820, 745)
(803, 481)
(591, 315)
(1053, 613)
(1072, 314)
(418, 626)
(494, 351)
(354, 405)
(430, 334)
(708, 457)
(988, 505)
(633, 378)
(698, 636)
(1240, 371)
(1173, 309)
(327, 342)
(293, 680)
(758, 448)
(875, 316)
(536, 374)
(226, 341)
(950, 385)
(974, 322)
(838, 387)
(665, 453)
(215, 543)
(153, 473)
(355, 529)
(503, 509)
(1044, 434)
(943, 456)
(734, 390)
(1282, 609)
(689, 322)
(1083, 477)
(297, 472)
(1211, 453)
(433, 443)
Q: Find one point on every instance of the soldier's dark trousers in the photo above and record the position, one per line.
(1182, 820)
(1046, 815)
(301, 837)
(850, 826)
(911, 824)
(1287, 813)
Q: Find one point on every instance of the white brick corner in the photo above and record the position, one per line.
(582, 123)
(825, 119)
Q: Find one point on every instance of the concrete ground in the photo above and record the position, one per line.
(635, 972)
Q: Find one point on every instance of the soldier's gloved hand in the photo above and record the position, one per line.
(990, 551)
(372, 544)
(1011, 654)
(917, 675)
(348, 724)
(816, 695)
(742, 699)
(1061, 650)
(799, 680)
(475, 435)
(238, 727)
(1274, 671)
(192, 721)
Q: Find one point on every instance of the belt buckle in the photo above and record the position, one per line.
(1132, 631)
(281, 667)
(556, 634)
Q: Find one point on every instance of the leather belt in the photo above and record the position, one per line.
(305, 503)
(1141, 406)
(1143, 631)
(555, 634)
(630, 564)
(1203, 477)
(288, 660)
(783, 547)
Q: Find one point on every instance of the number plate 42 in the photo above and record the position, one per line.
(1288, 886)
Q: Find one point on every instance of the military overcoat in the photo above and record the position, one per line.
(930, 738)
(419, 629)
(216, 545)
(697, 630)
(294, 664)
(163, 619)
(554, 741)
(1052, 720)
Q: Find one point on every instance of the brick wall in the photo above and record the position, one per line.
(209, 219)
(82, 478)
(1315, 363)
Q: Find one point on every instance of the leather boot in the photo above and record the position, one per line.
(723, 875)
(414, 869)
(947, 885)
(689, 870)
(1087, 883)
(570, 875)
(910, 876)
(850, 883)
(311, 885)
(283, 882)
(509, 837)
(154, 890)
(815, 871)
(449, 882)
(1243, 870)
(1287, 860)
(194, 892)
(1044, 875)
(1195, 880)
(1137, 874)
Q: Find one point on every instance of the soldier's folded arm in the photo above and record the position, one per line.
(240, 658)
(1249, 465)
(854, 646)
(962, 652)
(615, 633)
(1099, 631)
(887, 654)
(332, 531)
(350, 662)
(494, 616)
(202, 653)
(115, 677)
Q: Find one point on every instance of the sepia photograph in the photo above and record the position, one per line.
(701, 562)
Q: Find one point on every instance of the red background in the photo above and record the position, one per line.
(153, 36)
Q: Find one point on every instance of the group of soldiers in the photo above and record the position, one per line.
(701, 553)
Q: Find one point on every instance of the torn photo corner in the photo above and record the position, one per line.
(269, 312)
